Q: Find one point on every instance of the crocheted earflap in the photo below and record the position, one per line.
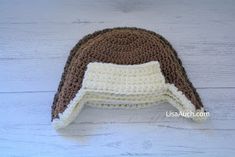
(122, 67)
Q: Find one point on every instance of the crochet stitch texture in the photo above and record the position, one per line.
(122, 67)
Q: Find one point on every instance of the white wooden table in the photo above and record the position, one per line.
(35, 39)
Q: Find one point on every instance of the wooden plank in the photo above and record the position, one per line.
(62, 24)
(35, 37)
(25, 128)
(44, 74)
(35, 49)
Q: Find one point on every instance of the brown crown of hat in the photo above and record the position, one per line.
(121, 46)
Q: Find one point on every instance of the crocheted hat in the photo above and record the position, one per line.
(124, 68)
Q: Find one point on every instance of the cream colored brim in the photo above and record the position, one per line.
(124, 86)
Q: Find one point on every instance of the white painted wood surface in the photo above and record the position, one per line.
(35, 38)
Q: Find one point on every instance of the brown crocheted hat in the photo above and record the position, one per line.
(122, 67)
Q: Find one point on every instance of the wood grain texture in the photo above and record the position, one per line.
(35, 39)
